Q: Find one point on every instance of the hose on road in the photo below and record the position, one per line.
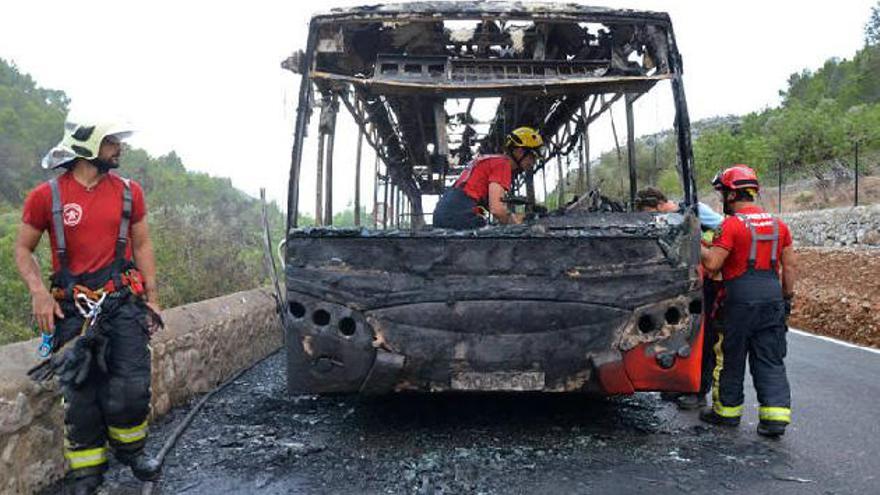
(181, 428)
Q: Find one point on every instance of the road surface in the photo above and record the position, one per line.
(253, 439)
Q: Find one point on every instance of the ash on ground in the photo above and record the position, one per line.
(254, 438)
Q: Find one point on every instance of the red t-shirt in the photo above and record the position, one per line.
(91, 219)
(483, 171)
(736, 238)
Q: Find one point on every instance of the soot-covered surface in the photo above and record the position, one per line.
(251, 438)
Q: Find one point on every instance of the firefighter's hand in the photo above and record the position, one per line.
(787, 306)
(154, 319)
(45, 310)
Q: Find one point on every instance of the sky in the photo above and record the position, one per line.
(204, 79)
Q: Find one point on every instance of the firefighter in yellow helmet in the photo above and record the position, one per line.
(482, 186)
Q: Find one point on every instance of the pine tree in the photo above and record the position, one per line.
(872, 27)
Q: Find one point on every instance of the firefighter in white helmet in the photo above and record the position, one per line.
(101, 301)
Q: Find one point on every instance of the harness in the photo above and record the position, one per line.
(757, 285)
(466, 175)
(481, 206)
(756, 237)
(120, 273)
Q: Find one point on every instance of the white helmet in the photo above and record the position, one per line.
(82, 141)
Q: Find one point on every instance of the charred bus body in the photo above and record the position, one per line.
(596, 298)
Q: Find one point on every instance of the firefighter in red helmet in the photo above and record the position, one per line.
(755, 255)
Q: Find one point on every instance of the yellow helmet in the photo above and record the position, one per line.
(524, 137)
(82, 141)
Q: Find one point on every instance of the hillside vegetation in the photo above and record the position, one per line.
(824, 114)
(207, 234)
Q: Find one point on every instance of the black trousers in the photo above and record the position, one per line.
(455, 210)
(711, 324)
(710, 338)
(113, 406)
(757, 332)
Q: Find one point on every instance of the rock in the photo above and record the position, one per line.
(6, 456)
(836, 227)
(15, 414)
(161, 405)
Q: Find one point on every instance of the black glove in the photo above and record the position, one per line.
(787, 301)
(154, 321)
(100, 352)
(45, 370)
(75, 364)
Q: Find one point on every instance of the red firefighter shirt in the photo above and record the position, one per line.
(91, 219)
(485, 170)
(736, 238)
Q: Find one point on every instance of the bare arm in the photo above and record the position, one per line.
(497, 207)
(789, 271)
(44, 308)
(713, 257)
(142, 248)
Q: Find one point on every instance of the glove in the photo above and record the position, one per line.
(75, 364)
(46, 369)
(154, 321)
(100, 352)
(787, 301)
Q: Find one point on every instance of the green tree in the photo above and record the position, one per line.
(872, 27)
(208, 235)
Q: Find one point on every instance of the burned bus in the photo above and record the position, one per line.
(594, 297)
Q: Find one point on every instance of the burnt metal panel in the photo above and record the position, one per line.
(508, 10)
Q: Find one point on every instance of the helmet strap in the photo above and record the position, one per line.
(728, 208)
(731, 196)
(512, 155)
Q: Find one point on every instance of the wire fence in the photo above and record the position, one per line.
(839, 184)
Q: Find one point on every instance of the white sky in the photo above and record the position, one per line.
(204, 79)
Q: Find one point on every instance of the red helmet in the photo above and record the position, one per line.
(736, 177)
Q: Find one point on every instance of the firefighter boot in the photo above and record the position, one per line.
(690, 402)
(143, 467)
(709, 415)
(83, 485)
(771, 429)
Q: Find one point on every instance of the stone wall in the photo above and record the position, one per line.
(836, 227)
(203, 345)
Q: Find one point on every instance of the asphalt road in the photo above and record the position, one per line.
(251, 438)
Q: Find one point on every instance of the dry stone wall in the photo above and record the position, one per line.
(836, 227)
(203, 345)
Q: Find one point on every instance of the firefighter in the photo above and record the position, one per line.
(652, 199)
(712, 285)
(97, 228)
(482, 186)
(748, 251)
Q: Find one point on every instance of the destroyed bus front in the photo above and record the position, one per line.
(593, 298)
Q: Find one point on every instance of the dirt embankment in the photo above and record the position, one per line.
(838, 294)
